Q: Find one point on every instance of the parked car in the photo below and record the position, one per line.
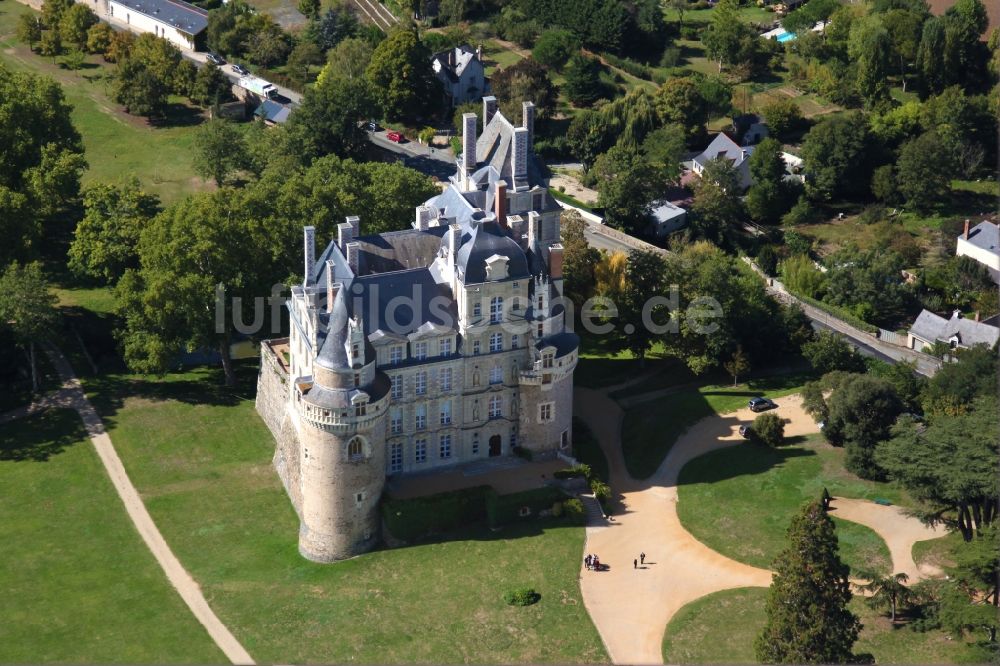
(241, 70)
(393, 135)
(215, 59)
(745, 432)
(373, 126)
(761, 404)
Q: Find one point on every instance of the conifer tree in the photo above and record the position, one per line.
(808, 621)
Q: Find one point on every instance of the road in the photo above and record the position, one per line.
(199, 58)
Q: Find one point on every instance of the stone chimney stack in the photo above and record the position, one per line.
(423, 217)
(528, 122)
(489, 109)
(468, 145)
(965, 234)
(534, 226)
(329, 287)
(519, 161)
(355, 223)
(309, 254)
(500, 203)
(454, 238)
(479, 53)
(353, 250)
(345, 234)
(556, 261)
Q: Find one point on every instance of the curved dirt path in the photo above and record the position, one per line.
(72, 393)
(631, 607)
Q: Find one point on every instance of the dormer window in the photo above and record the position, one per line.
(420, 350)
(496, 267)
(396, 354)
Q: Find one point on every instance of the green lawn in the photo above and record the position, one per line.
(116, 143)
(202, 459)
(78, 583)
(651, 428)
(740, 500)
(720, 629)
(937, 552)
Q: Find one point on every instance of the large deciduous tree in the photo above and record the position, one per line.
(626, 186)
(924, 171)
(717, 210)
(329, 120)
(837, 157)
(770, 195)
(579, 259)
(27, 308)
(645, 277)
(808, 621)
(219, 150)
(862, 411)
(402, 81)
(524, 81)
(829, 351)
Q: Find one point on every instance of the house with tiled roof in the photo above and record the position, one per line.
(461, 73)
(958, 332)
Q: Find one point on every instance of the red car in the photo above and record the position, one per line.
(393, 135)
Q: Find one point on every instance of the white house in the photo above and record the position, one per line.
(461, 72)
(666, 218)
(723, 147)
(981, 243)
(178, 22)
(957, 332)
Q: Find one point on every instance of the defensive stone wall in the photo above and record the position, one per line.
(272, 405)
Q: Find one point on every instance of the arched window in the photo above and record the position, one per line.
(355, 449)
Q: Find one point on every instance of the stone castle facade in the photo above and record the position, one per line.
(425, 348)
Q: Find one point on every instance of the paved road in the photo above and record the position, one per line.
(182, 581)
(199, 59)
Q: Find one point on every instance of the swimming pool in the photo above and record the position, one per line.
(785, 36)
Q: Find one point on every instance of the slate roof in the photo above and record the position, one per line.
(273, 111)
(931, 327)
(398, 250)
(486, 240)
(463, 55)
(723, 146)
(185, 17)
(986, 236)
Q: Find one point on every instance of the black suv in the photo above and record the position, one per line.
(761, 404)
(215, 59)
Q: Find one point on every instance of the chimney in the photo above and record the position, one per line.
(309, 234)
(353, 250)
(976, 317)
(345, 234)
(534, 226)
(489, 109)
(500, 203)
(423, 217)
(454, 237)
(479, 53)
(519, 161)
(965, 234)
(468, 144)
(329, 287)
(528, 122)
(555, 261)
(355, 223)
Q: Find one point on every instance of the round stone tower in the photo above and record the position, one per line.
(342, 451)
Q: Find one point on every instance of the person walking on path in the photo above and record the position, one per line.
(642, 558)
(635, 564)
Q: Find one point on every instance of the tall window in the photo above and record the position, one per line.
(396, 457)
(496, 309)
(496, 342)
(420, 451)
(361, 409)
(496, 375)
(496, 406)
(446, 412)
(444, 347)
(396, 421)
(475, 444)
(396, 354)
(477, 309)
(515, 340)
(515, 304)
(475, 347)
(355, 449)
(545, 412)
(420, 382)
(397, 387)
(445, 378)
(420, 418)
(513, 437)
(547, 361)
(444, 449)
(420, 350)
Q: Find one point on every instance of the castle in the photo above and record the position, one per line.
(426, 348)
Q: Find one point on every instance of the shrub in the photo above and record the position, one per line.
(801, 213)
(524, 596)
(872, 214)
(670, 57)
(601, 490)
(557, 509)
(767, 260)
(769, 429)
(574, 472)
(573, 508)
(522, 452)
(554, 48)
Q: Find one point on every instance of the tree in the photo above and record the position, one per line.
(210, 86)
(268, 45)
(302, 56)
(724, 35)
(838, 157)
(645, 275)
(29, 29)
(330, 29)
(770, 195)
(808, 620)
(737, 365)
(348, 60)
(588, 136)
(583, 82)
(782, 116)
(829, 351)
(924, 171)
(579, 259)
(170, 303)
(309, 8)
(74, 24)
(869, 283)
(139, 89)
(663, 150)
(680, 100)
(950, 464)
(769, 429)
(50, 44)
(886, 591)
(328, 121)
(862, 411)
(904, 29)
(956, 385)
(679, 6)
(99, 38)
(219, 150)
(626, 186)
(105, 240)
(524, 81)
(451, 11)
(119, 47)
(27, 308)
(52, 12)
(554, 48)
(401, 80)
(717, 207)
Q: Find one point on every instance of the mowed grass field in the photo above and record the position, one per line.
(201, 458)
(117, 145)
(740, 500)
(720, 629)
(79, 585)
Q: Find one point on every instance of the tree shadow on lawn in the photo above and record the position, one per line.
(746, 459)
(179, 115)
(38, 437)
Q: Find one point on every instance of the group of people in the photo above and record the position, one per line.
(592, 562)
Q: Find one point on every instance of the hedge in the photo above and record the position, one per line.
(503, 509)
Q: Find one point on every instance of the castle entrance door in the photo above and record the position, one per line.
(494, 446)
